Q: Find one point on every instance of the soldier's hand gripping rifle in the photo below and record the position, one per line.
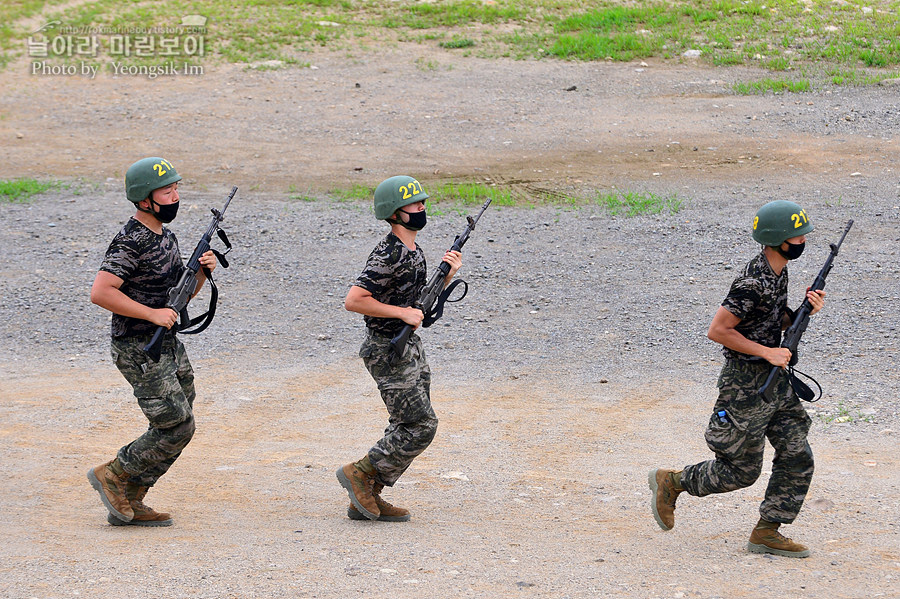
(181, 293)
(795, 332)
(431, 300)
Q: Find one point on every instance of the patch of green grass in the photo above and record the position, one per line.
(629, 203)
(356, 192)
(458, 42)
(772, 85)
(424, 64)
(295, 194)
(775, 34)
(472, 193)
(844, 414)
(19, 190)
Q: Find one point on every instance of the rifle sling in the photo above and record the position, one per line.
(438, 310)
(803, 390)
(204, 320)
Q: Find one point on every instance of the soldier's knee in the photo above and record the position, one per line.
(183, 432)
(748, 475)
(803, 461)
(428, 430)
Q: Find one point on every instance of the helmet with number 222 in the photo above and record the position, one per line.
(780, 220)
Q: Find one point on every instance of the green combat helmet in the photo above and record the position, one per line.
(780, 220)
(395, 193)
(148, 174)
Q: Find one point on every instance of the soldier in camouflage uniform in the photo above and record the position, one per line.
(385, 291)
(141, 264)
(749, 324)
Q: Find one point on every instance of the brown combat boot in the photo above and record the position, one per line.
(359, 485)
(389, 513)
(765, 538)
(665, 488)
(144, 515)
(109, 481)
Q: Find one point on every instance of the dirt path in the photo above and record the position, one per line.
(522, 494)
(536, 484)
(354, 122)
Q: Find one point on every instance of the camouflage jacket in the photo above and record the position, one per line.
(149, 264)
(394, 275)
(759, 298)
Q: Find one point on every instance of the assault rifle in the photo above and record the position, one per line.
(434, 291)
(181, 293)
(795, 332)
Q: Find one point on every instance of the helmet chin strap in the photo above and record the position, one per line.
(147, 210)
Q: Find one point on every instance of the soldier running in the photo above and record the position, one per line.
(141, 264)
(748, 324)
(385, 291)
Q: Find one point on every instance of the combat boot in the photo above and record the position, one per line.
(389, 513)
(767, 539)
(144, 515)
(665, 485)
(359, 482)
(109, 481)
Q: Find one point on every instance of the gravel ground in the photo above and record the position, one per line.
(577, 362)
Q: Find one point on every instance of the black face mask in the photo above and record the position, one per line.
(794, 250)
(165, 213)
(417, 220)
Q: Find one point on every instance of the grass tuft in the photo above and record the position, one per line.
(631, 203)
(771, 85)
(472, 193)
(19, 190)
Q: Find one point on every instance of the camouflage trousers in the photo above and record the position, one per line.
(738, 443)
(406, 391)
(165, 393)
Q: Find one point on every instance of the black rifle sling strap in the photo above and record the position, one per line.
(221, 255)
(438, 310)
(803, 390)
(199, 321)
(203, 321)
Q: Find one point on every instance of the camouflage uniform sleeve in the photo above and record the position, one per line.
(745, 294)
(376, 276)
(121, 259)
